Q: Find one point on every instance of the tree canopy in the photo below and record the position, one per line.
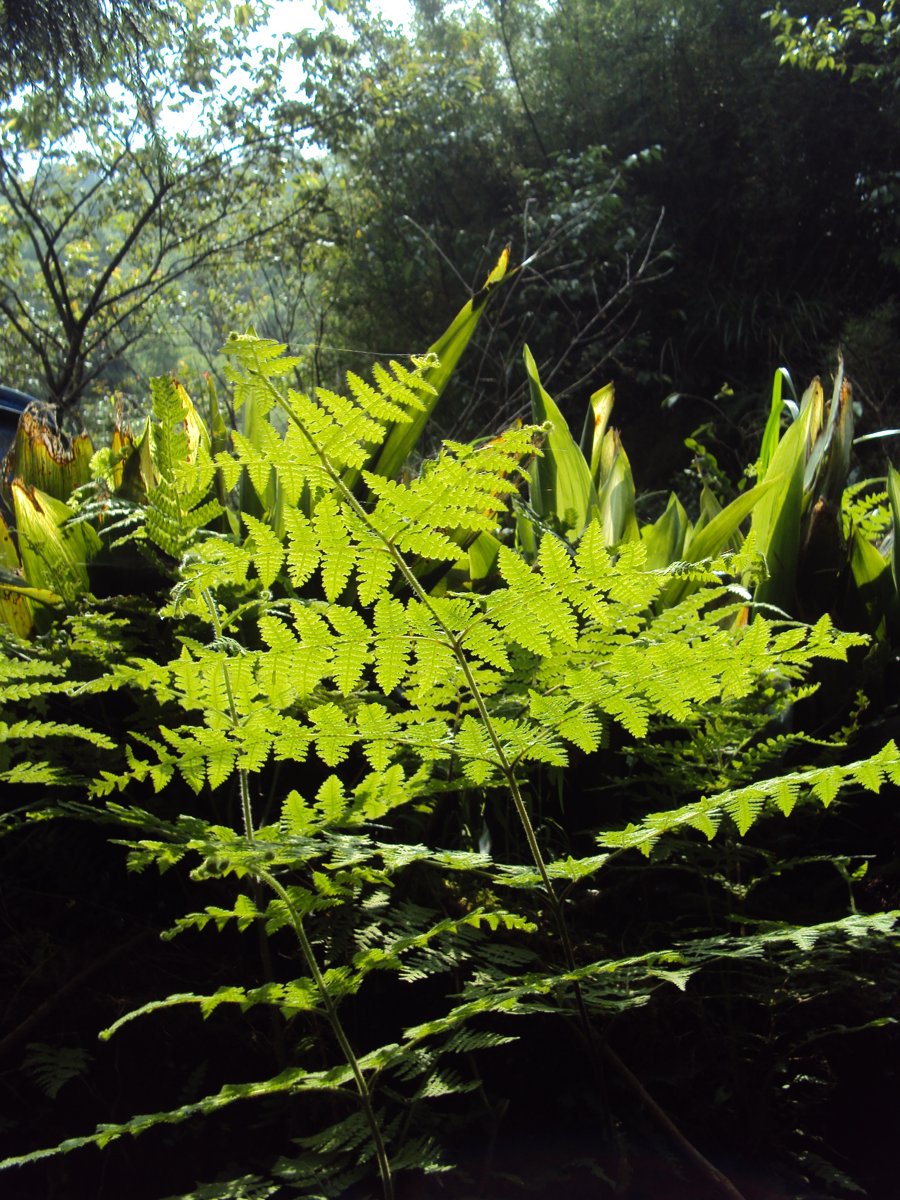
(111, 210)
(690, 212)
(80, 33)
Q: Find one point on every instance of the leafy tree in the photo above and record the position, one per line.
(860, 40)
(506, 122)
(433, 148)
(80, 32)
(758, 171)
(103, 225)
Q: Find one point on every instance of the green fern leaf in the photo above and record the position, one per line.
(479, 758)
(29, 730)
(374, 569)
(827, 783)
(333, 733)
(402, 387)
(266, 548)
(291, 1080)
(336, 547)
(331, 800)
(377, 403)
(487, 644)
(351, 652)
(229, 470)
(297, 817)
(785, 796)
(303, 550)
(379, 733)
(257, 461)
(37, 772)
(744, 806)
(392, 645)
(52, 1067)
(383, 790)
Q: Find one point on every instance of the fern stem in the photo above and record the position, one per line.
(713, 1174)
(243, 774)
(365, 1095)
(509, 774)
(384, 1166)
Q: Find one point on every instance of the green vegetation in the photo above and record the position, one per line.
(340, 745)
(421, 787)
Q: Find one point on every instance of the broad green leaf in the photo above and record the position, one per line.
(47, 460)
(715, 535)
(893, 488)
(15, 608)
(866, 563)
(55, 554)
(772, 432)
(616, 497)
(665, 538)
(483, 556)
(829, 458)
(138, 474)
(447, 351)
(596, 422)
(562, 491)
(776, 518)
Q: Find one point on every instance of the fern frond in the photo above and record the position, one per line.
(184, 471)
(52, 1067)
(28, 730)
(294, 1079)
(745, 805)
(332, 732)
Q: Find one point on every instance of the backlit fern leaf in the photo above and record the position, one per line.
(24, 676)
(266, 549)
(257, 460)
(563, 577)
(374, 570)
(479, 758)
(745, 805)
(303, 549)
(463, 491)
(404, 388)
(380, 733)
(344, 429)
(351, 648)
(28, 730)
(333, 733)
(293, 1079)
(377, 403)
(336, 547)
(184, 471)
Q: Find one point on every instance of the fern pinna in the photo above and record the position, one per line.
(342, 704)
